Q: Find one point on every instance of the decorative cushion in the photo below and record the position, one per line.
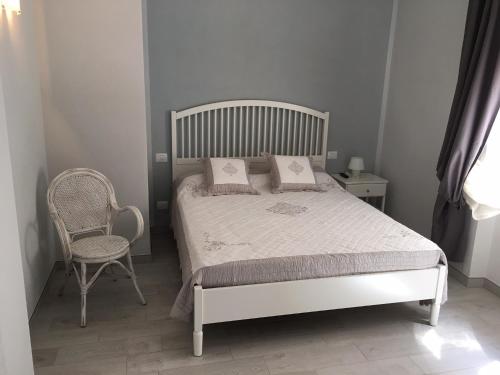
(225, 176)
(292, 173)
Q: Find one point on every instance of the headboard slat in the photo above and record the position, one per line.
(299, 134)
(272, 130)
(202, 134)
(246, 129)
(189, 135)
(306, 135)
(182, 129)
(258, 131)
(276, 135)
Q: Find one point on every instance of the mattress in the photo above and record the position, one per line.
(249, 239)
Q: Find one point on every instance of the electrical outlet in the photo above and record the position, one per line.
(332, 155)
(162, 205)
(161, 157)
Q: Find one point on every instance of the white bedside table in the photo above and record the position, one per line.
(367, 185)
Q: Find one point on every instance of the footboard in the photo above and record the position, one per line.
(293, 297)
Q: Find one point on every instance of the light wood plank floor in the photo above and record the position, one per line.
(124, 337)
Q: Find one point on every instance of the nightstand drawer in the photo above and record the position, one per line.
(367, 190)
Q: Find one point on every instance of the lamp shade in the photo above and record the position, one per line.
(356, 164)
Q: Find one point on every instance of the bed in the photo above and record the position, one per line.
(251, 256)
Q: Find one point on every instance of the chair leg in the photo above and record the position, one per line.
(112, 272)
(134, 278)
(67, 275)
(83, 293)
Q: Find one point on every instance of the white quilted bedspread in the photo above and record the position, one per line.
(230, 228)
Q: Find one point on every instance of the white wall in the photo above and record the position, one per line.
(15, 349)
(94, 97)
(478, 249)
(23, 113)
(493, 272)
(423, 76)
(482, 257)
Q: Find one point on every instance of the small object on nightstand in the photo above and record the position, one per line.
(345, 175)
(366, 186)
(356, 165)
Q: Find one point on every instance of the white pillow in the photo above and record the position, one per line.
(227, 176)
(292, 173)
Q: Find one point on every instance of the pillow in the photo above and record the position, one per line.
(225, 176)
(292, 173)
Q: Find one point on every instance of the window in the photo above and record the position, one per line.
(482, 186)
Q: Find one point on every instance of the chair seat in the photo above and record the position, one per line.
(99, 249)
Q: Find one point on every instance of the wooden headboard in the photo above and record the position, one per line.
(245, 129)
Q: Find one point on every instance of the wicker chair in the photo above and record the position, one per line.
(83, 206)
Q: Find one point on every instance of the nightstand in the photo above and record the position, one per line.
(366, 186)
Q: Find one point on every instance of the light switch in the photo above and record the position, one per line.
(332, 155)
(161, 157)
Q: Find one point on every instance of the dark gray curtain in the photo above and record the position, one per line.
(474, 109)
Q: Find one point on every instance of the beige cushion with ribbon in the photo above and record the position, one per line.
(226, 176)
(292, 173)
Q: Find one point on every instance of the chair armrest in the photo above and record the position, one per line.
(138, 216)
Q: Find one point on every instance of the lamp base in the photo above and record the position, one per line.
(355, 174)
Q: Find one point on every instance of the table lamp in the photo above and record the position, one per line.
(356, 165)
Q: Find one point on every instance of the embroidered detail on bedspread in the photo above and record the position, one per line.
(216, 245)
(289, 209)
(329, 185)
(195, 189)
(402, 233)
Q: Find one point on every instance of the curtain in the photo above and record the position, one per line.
(475, 106)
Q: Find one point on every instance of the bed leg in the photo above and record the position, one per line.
(436, 302)
(435, 307)
(197, 343)
(198, 322)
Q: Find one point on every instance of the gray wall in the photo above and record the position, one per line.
(24, 118)
(424, 71)
(329, 55)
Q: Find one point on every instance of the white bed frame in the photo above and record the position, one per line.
(246, 129)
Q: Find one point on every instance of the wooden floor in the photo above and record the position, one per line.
(124, 337)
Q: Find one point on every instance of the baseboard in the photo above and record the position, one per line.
(474, 282)
(142, 258)
(160, 229)
(55, 267)
(492, 287)
(469, 282)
